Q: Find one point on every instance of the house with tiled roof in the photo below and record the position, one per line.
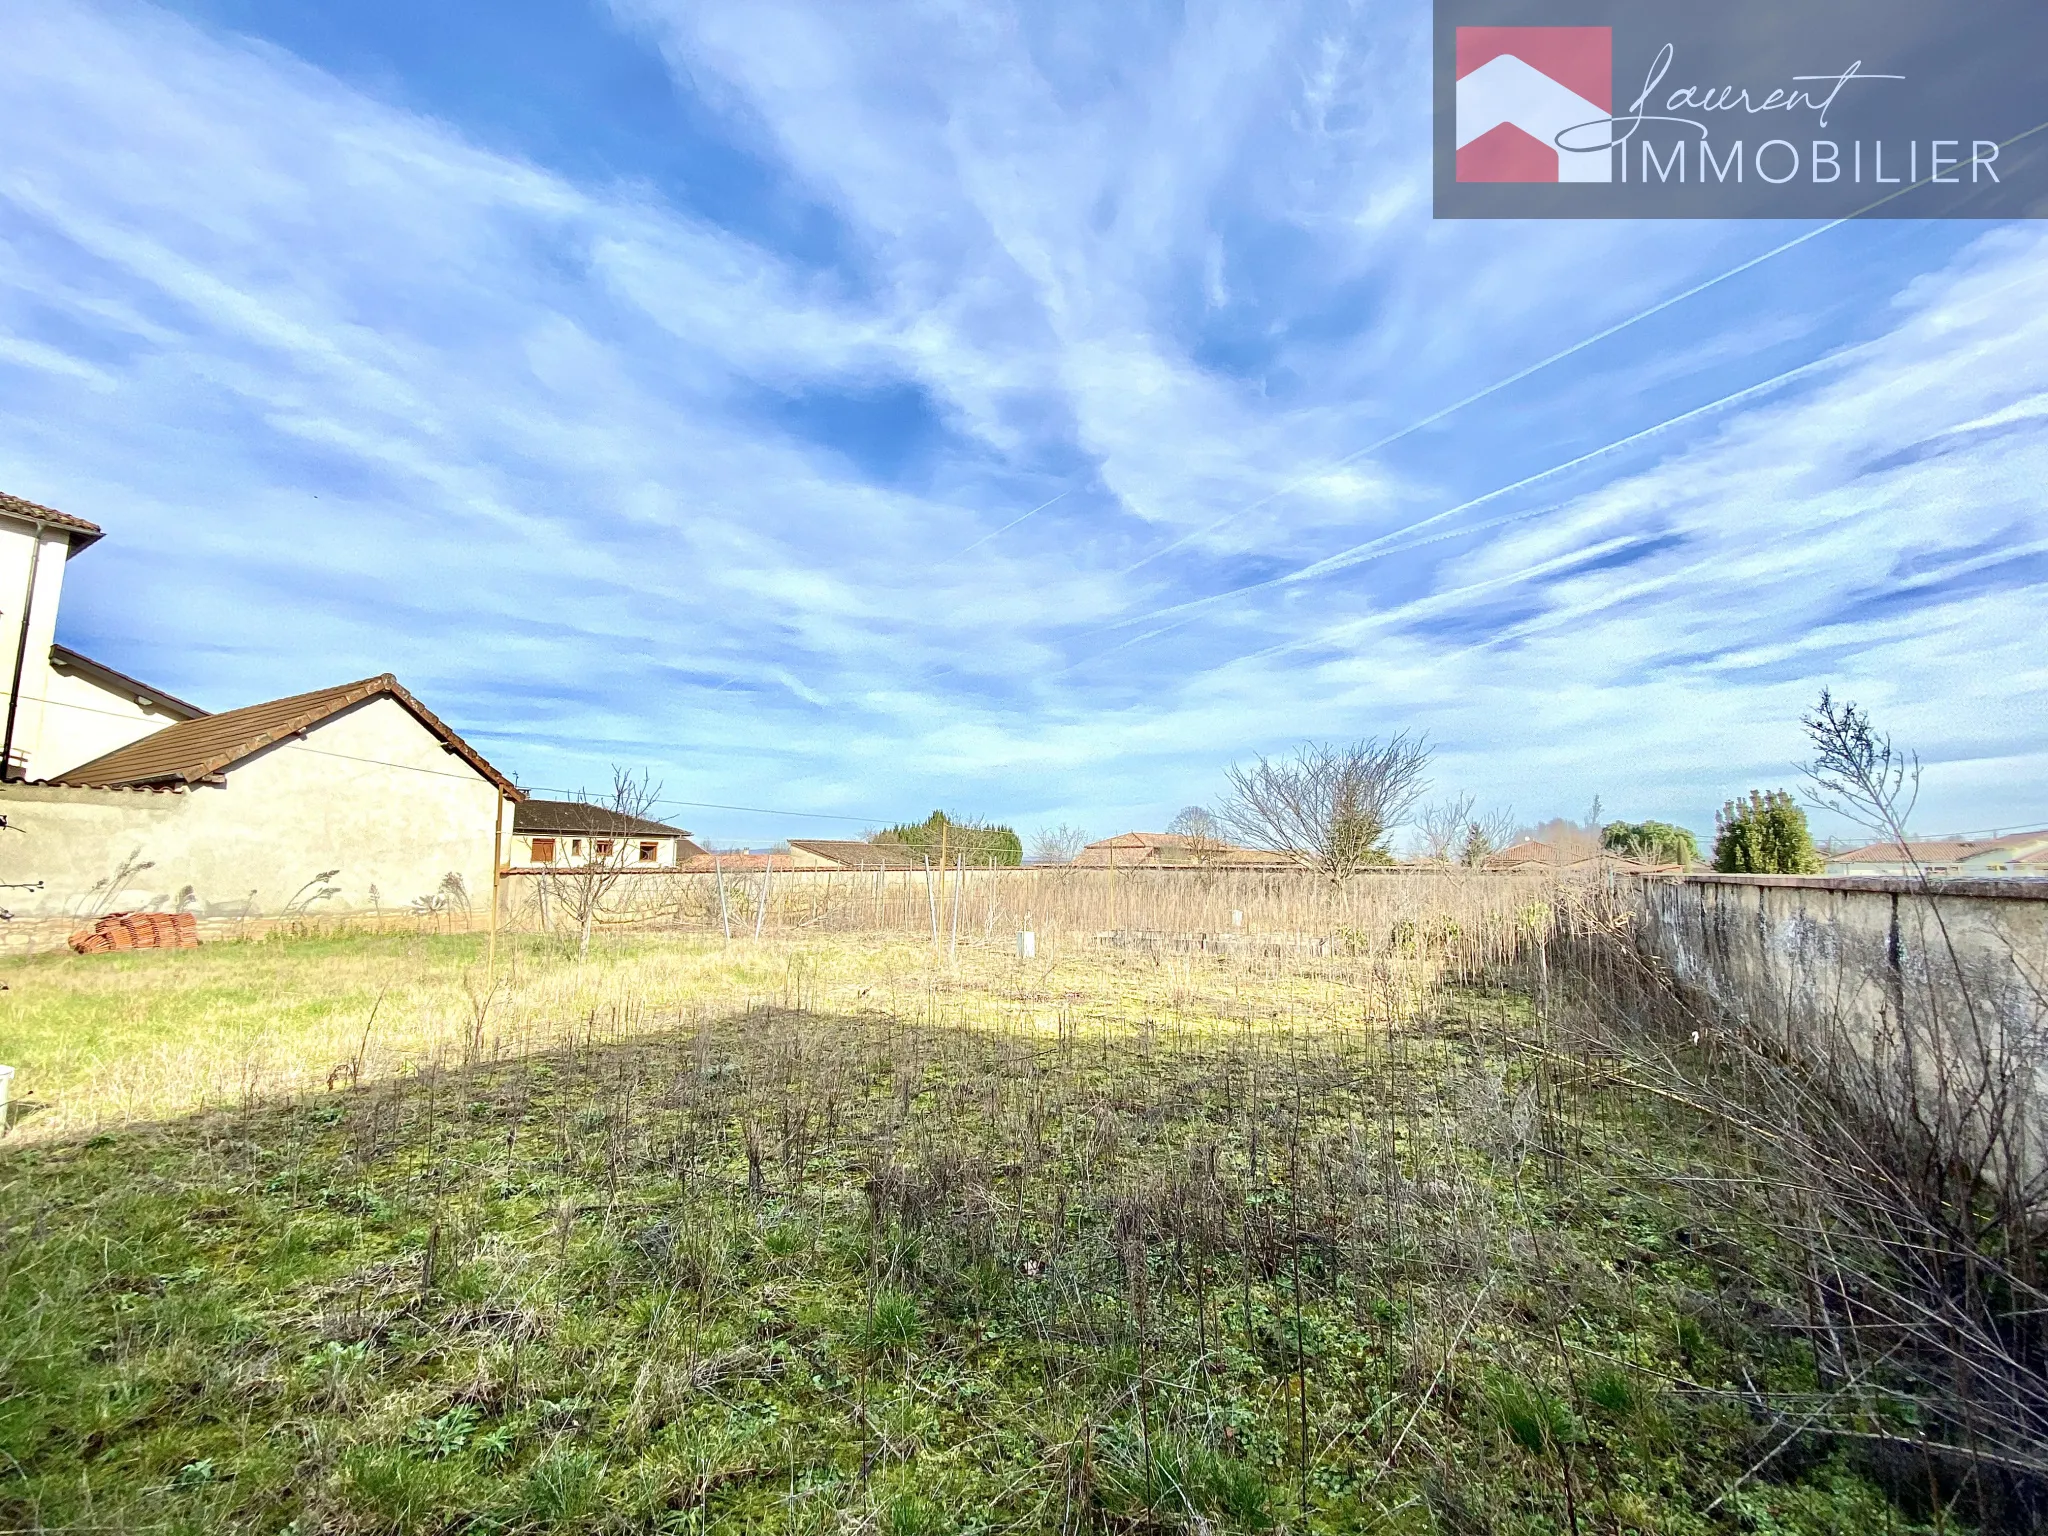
(571, 834)
(2022, 854)
(120, 795)
(1171, 850)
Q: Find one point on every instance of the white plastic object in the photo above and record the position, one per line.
(1027, 944)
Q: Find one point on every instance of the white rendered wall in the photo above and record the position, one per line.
(17, 540)
(82, 720)
(520, 852)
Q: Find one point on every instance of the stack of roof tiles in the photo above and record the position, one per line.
(138, 930)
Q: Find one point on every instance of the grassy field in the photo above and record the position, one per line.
(341, 1235)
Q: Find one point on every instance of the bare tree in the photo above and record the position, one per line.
(1202, 832)
(1453, 831)
(1057, 845)
(582, 887)
(1330, 806)
(1856, 772)
(1442, 826)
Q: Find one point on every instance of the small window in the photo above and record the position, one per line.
(649, 852)
(602, 847)
(575, 847)
(543, 850)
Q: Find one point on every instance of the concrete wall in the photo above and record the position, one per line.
(1829, 962)
(370, 795)
(82, 720)
(17, 541)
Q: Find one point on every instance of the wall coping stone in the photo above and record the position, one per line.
(1977, 888)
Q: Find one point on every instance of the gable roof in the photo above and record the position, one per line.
(1143, 840)
(199, 750)
(64, 659)
(1150, 840)
(1535, 851)
(852, 853)
(83, 533)
(546, 816)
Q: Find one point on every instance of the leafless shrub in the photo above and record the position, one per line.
(1203, 833)
(1454, 832)
(582, 888)
(1057, 845)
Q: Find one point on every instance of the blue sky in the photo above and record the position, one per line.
(855, 409)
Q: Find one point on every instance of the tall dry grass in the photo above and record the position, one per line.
(111, 1039)
(1487, 913)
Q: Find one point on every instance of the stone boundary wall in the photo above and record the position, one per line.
(1821, 962)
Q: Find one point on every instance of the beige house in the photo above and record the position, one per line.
(347, 799)
(572, 834)
(120, 796)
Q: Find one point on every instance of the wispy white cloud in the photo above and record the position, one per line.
(609, 481)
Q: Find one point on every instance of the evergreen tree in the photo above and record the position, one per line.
(1764, 835)
(979, 842)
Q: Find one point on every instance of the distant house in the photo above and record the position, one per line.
(569, 834)
(2021, 855)
(1170, 850)
(1532, 853)
(812, 855)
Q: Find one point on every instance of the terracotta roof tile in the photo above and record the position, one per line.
(193, 751)
(1946, 850)
(15, 506)
(1170, 849)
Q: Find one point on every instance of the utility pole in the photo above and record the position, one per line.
(497, 868)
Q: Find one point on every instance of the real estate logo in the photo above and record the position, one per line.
(1521, 91)
(1748, 109)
